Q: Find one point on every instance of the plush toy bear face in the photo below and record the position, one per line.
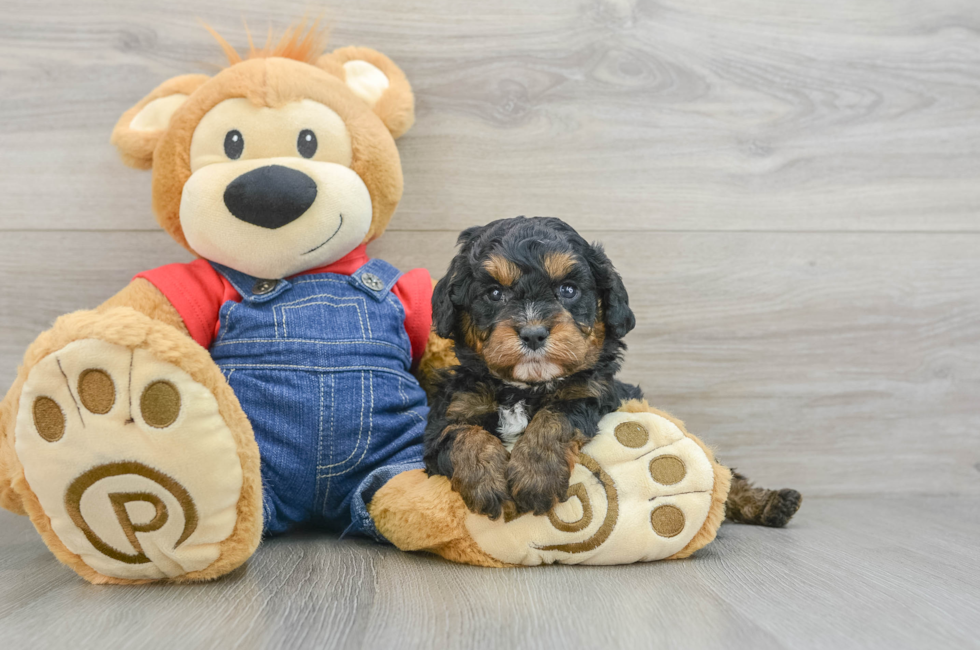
(274, 166)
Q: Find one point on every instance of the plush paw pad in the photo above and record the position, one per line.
(130, 460)
(641, 491)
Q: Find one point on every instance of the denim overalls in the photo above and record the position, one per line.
(321, 365)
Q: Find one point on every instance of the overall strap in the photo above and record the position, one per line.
(253, 290)
(376, 278)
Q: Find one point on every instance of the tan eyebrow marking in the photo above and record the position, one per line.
(502, 270)
(558, 265)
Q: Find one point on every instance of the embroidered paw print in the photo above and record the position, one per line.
(641, 491)
(130, 460)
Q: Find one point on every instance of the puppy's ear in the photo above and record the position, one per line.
(450, 291)
(443, 309)
(140, 128)
(376, 80)
(618, 316)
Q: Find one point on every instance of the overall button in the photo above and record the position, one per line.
(373, 282)
(263, 287)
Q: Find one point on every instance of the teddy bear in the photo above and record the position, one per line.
(273, 382)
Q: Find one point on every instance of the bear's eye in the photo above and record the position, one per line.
(306, 144)
(234, 144)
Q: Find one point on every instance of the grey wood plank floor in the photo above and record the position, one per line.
(791, 192)
(882, 572)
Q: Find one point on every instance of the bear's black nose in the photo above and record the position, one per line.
(270, 197)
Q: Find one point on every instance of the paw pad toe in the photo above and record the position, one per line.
(667, 521)
(631, 434)
(160, 404)
(49, 420)
(96, 391)
(667, 470)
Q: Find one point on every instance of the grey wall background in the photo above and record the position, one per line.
(790, 190)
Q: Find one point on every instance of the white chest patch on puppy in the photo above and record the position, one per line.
(513, 421)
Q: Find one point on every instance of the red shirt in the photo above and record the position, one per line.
(197, 292)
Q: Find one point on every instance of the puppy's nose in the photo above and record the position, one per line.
(271, 196)
(534, 336)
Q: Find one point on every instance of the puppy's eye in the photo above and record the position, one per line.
(495, 295)
(568, 291)
(306, 143)
(234, 144)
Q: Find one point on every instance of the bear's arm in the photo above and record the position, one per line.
(146, 299)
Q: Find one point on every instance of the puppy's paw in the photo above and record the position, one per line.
(537, 481)
(780, 508)
(641, 490)
(482, 483)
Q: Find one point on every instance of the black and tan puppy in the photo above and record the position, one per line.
(537, 316)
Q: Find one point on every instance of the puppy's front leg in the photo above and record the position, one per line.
(541, 462)
(476, 463)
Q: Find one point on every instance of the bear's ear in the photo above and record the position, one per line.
(140, 128)
(376, 79)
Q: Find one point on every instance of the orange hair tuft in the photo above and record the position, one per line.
(298, 43)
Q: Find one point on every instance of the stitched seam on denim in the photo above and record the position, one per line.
(316, 342)
(319, 443)
(323, 295)
(223, 330)
(298, 282)
(305, 299)
(404, 397)
(268, 366)
(415, 465)
(360, 317)
(333, 396)
(275, 322)
(367, 443)
(357, 443)
(403, 338)
(344, 302)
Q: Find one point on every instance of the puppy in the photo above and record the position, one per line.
(537, 316)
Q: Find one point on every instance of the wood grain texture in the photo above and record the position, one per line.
(634, 115)
(890, 573)
(838, 364)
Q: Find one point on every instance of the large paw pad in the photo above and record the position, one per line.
(130, 459)
(641, 491)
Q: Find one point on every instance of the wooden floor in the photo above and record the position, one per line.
(885, 572)
(792, 192)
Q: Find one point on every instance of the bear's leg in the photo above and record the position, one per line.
(644, 489)
(130, 453)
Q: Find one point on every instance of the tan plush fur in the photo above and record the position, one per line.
(419, 513)
(146, 299)
(126, 327)
(396, 108)
(136, 147)
(438, 354)
(723, 480)
(273, 82)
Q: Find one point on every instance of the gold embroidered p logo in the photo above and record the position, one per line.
(118, 501)
(609, 521)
